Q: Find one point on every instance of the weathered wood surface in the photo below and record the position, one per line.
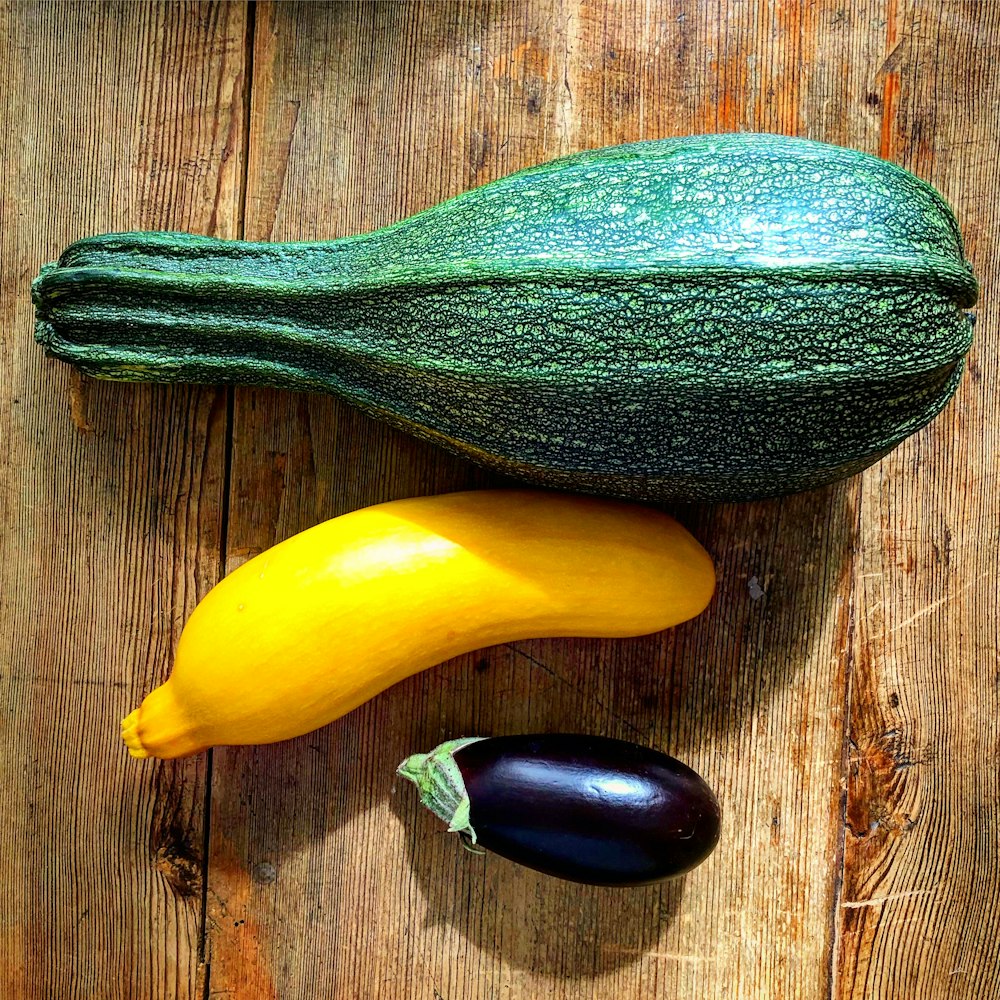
(111, 500)
(842, 694)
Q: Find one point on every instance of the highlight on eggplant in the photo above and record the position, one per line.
(587, 809)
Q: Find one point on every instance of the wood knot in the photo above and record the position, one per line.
(175, 857)
(180, 868)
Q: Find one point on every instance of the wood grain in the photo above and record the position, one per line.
(921, 893)
(841, 694)
(114, 118)
(362, 113)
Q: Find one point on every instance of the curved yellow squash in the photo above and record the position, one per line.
(324, 621)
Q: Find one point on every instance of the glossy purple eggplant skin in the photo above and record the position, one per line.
(588, 808)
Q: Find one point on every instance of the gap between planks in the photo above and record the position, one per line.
(249, 40)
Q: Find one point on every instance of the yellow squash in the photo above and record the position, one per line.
(324, 621)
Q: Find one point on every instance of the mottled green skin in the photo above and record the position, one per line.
(709, 318)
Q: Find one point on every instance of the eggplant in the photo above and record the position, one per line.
(584, 808)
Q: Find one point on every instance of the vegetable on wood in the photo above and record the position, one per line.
(585, 808)
(325, 620)
(704, 318)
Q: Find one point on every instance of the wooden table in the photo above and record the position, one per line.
(842, 693)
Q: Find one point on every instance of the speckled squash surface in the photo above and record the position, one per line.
(705, 318)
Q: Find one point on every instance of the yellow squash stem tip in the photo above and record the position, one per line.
(130, 735)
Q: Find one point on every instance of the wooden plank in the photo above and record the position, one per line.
(324, 880)
(323, 162)
(921, 895)
(110, 497)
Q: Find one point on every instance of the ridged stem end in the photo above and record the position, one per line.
(130, 734)
(440, 784)
(162, 727)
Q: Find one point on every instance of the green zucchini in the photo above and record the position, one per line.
(706, 318)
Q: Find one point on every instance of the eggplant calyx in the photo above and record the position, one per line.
(441, 785)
